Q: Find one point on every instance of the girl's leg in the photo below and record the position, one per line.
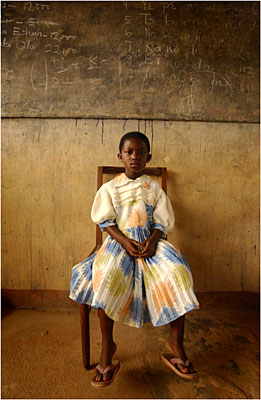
(175, 342)
(108, 345)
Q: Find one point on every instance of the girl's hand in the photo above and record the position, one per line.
(149, 248)
(149, 245)
(131, 247)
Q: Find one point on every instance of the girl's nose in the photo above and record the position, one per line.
(134, 155)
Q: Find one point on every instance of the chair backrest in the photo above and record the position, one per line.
(103, 170)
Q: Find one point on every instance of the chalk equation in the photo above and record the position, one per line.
(173, 50)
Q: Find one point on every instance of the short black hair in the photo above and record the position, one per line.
(136, 135)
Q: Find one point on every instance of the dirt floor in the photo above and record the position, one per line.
(41, 357)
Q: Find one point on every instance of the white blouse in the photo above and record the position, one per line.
(129, 203)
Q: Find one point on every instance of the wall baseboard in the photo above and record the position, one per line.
(60, 299)
(42, 298)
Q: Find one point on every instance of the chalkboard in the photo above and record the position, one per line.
(149, 60)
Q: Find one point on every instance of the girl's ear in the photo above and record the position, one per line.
(149, 158)
(120, 157)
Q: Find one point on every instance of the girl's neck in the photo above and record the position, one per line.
(133, 175)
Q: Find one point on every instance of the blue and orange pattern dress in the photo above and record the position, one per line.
(135, 291)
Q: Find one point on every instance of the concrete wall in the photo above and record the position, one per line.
(49, 181)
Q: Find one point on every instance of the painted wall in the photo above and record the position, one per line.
(49, 181)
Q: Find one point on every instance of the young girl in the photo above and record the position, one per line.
(136, 276)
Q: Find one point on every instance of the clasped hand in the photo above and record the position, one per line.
(144, 250)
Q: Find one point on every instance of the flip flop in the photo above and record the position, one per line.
(172, 362)
(114, 367)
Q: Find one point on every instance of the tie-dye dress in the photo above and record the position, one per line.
(135, 291)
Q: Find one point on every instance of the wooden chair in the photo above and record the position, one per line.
(85, 308)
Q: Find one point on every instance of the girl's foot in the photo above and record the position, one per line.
(113, 369)
(107, 353)
(179, 352)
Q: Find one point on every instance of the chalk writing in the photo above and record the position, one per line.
(192, 6)
(255, 8)
(5, 43)
(4, 5)
(25, 45)
(148, 20)
(172, 48)
(127, 19)
(93, 62)
(172, 52)
(128, 33)
(129, 44)
(249, 87)
(26, 32)
(56, 49)
(32, 6)
(168, 5)
(169, 21)
(35, 21)
(149, 33)
(147, 6)
(210, 7)
(57, 36)
(7, 21)
(9, 74)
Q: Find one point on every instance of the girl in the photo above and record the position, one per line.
(136, 276)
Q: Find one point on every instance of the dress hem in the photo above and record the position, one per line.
(193, 307)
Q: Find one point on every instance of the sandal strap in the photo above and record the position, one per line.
(104, 370)
(179, 361)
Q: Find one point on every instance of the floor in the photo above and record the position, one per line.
(41, 357)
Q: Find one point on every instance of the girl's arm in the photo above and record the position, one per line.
(129, 245)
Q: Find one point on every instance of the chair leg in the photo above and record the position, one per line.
(85, 332)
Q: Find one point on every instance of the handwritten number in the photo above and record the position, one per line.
(48, 48)
(56, 49)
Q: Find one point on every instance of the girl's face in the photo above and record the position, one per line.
(134, 155)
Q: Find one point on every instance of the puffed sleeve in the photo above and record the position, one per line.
(163, 215)
(103, 212)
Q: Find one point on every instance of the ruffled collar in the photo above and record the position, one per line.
(122, 179)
